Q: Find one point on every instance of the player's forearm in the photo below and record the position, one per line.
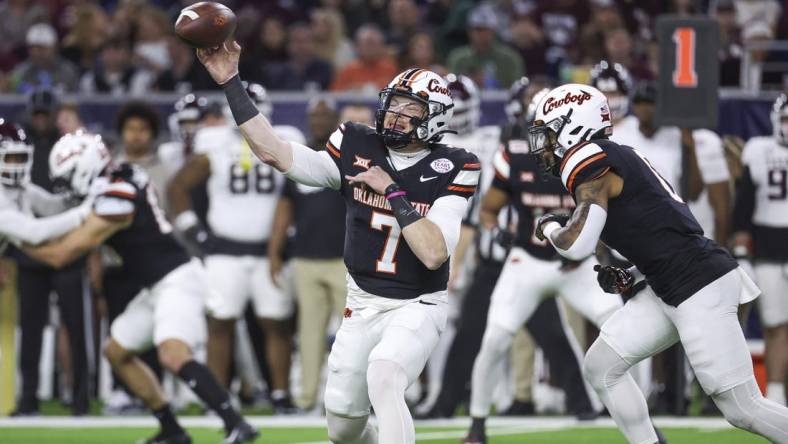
(43, 202)
(578, 239)
(76, 243)
(33, 231)
(426, 241)
(256, 129)
(720, 201)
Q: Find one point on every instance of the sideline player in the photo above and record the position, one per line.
(242, 196)
(168, 312)
(760, 220)
(691, 288)
(398, 182)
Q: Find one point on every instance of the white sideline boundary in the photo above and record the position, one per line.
(520, 423)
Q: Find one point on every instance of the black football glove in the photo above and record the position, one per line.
(613, 279)
(544, 219)
(504, 238)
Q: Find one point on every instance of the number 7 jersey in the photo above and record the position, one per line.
(377, 257)
(648, 222)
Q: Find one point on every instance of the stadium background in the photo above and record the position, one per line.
(83, 29)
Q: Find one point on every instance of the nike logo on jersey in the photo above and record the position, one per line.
(426, 179)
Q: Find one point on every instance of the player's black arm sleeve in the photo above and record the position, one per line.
(241, 104)
(744, 206)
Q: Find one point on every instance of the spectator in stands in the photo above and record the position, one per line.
(113, 73)
(619, 49)
(372, 69)
(87, 36)
(529, 41)
(151, 51)
(730, 44)
(44, 68)
(604, 16)
(491, 64)
(318, 268)
(303, 70)
(268, 46)
(404, 20)
(68, 120)
(421, 53)
(449, 19)
(16, 17)
(331, 43)
(185, 74)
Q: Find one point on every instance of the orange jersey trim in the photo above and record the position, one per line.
(571, 182)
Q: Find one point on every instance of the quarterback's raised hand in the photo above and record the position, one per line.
(375, 178)
(614, 280)
(221, 62)
(546, 218)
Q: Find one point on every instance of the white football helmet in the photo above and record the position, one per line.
(425, 87)
(76, 160)
(779, 118)
(574, 113)
(183, 121)
(467, 104)
(16, 155)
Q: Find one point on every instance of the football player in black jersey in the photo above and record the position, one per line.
(168, 313)
(398, 183)
(687, 288)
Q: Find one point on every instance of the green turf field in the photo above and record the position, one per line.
(315, 435)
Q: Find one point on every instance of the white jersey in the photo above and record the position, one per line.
(242, 190)
(713, 169)
(663, 149)
(484, 142)
(664, 152)
(767, 161)
(172, 155)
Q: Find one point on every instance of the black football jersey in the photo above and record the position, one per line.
(648, 222)
(531, 193)
(147, 247)
(376, 256)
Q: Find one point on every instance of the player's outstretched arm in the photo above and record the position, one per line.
(31, 230)
(222, 65)
(578, 237)
(77, 243)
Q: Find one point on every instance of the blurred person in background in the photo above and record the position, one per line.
(137, 125)
(86, 37)
(68, 120)
(760, 223)
(185, 73)
(604, 17)
(318, 216)
(731, 50)
(16, 17)
(331, 43)
(44, 68)
(242, 195)
(404, 19)
(449, 20)
(491, 64)
(113, 73)
(420, 53)
(373, 66)
(151, 52)
(357, 112)
(528, 39)
(36, 281)
(303, 71)
(269, 44)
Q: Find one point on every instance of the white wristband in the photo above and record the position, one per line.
(549, 227)
(185, 220)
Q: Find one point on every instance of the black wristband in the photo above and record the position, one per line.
(403, 209)
(241, 105)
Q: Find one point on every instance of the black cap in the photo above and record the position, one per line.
(42, 99)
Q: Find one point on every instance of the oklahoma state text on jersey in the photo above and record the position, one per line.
(377, 257)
